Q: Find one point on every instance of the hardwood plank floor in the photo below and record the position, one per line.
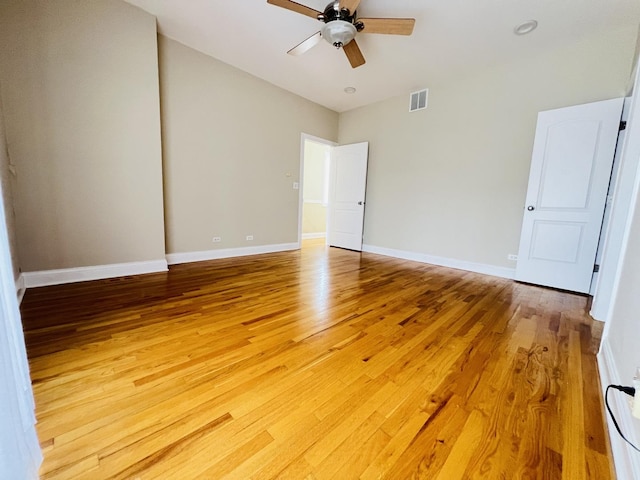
(315, 364)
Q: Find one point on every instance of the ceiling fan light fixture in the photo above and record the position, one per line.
(526, 27)
(338, 33)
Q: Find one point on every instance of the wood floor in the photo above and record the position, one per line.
(315, 364)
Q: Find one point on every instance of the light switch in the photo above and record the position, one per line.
(296, 185)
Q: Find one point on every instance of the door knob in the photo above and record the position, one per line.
(360, 203)
(531, 208)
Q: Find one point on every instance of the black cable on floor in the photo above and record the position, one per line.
(629, 391)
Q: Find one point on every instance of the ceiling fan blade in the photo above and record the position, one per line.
(306, 45)
(352, 5)
(389, 26)
(295, 7)
(354, 54)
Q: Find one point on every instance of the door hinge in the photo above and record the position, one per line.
(623, 125)
(596, 268)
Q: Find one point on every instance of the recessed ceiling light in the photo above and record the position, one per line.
(525, 27)
(350, 90)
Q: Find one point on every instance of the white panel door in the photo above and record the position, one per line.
(348, 182)
(20, 454)
(571, 164)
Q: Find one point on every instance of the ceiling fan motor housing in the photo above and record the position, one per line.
(334, 12)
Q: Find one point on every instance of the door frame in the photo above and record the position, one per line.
(612, 236)
(606, 217)
(304, 137)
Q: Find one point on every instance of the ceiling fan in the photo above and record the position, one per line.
(341, 24)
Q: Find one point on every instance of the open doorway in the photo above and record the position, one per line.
(314, 195)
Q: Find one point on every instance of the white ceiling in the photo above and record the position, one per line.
(451, 38)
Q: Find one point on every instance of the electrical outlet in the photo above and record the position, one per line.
(249, 238)
(512, 257)
(217, 239)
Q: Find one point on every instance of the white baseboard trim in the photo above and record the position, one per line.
(98, 272)
(306, 236)
(442, 261)
(188, 257)
(625, 459)
(20, 288)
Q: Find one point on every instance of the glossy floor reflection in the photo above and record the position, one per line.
(319, 363)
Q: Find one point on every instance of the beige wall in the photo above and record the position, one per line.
(80, 91)
(7, 197)
(624, 331)
(231, 152)
(314, 218)
(634, 68)
(619, 355)
(451, 180)
(316, 157)
(314, 212)
(81, 102)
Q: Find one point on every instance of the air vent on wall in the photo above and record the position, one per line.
(418, 100)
